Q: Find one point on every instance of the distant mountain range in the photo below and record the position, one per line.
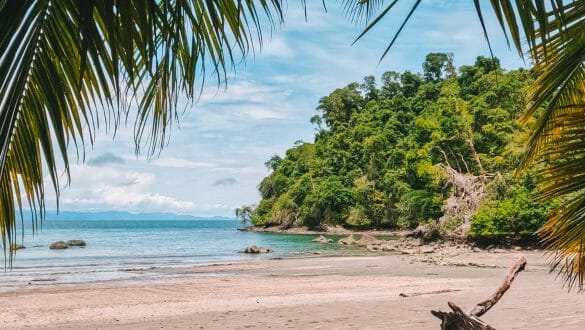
(121, 215)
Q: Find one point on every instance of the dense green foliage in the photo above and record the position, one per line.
(512, 211)
(374, 160)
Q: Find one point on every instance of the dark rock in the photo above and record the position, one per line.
(59, 245)
(76, 242)
(425, 233)
(257, 249)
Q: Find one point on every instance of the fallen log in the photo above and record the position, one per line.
(459, 320)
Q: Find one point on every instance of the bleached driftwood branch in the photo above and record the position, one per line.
(459, 320)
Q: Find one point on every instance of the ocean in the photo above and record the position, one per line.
(115, 246)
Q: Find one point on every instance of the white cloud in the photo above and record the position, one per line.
(124, 198)
(276, 47)
(117, 189)
(241, 91)
(180, 163)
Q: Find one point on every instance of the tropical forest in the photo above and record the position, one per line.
(442, 148)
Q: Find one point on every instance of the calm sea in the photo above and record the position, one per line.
(116, 246)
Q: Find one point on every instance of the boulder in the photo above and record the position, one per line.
(76, 242)
(16, 246)
(368, 239)
(408, 251)
(59, 245)
(257, 249)
(415, 242)
(374, 248)
(389, 246)
(322, 239)
(349, 240)
(427, 249)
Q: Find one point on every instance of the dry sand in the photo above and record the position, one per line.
(309, 293)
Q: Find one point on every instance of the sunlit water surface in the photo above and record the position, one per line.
(114, 247)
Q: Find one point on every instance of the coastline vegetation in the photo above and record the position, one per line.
(381, 151)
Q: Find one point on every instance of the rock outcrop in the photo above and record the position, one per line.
(59, 245)
(349, 240)
(76, 242)
(368, 239)
(322, 239)
(253, 249)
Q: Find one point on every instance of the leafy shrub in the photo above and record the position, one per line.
(513, 215)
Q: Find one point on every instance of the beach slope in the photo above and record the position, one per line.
(359, 292)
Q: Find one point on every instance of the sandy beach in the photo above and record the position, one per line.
(346, 292)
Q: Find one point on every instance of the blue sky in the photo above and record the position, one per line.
(216, 155)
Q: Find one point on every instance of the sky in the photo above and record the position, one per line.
(215, 157)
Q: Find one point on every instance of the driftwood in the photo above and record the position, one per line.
(414, 294)
(459, 320)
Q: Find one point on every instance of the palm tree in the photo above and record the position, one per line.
(552, 34)
(245, 213)
(69, 67)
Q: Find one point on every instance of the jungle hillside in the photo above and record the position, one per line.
(439, 148)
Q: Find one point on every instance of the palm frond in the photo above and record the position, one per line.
(557, 48)
(67, 67)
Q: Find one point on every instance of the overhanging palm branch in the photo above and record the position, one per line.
(67, 67)
(552, 34)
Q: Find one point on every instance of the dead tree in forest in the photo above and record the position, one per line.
(467, 196)
(459, 320)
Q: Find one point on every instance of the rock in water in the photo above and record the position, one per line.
(76, 242)
(349, 240)
(322, 239)
(256, 249)
(368, 239)
(59, 245)
(16, 246)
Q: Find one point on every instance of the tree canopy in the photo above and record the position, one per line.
(374, 161)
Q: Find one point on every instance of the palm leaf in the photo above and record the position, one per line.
(69, 67)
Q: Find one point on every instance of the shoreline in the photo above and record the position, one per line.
(346, 292)
(329, 230)
(387, 243)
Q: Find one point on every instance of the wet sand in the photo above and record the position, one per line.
(357, 292)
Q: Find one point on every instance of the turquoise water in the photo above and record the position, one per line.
(115, 246)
